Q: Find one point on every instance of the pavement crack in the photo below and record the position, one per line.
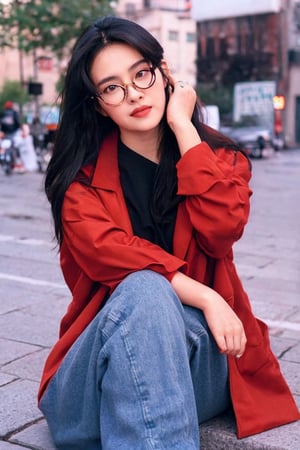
(11, 434)
(286, 350)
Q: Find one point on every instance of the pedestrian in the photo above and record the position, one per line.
(38, 132)
(24, 142)
(9, 119)
(10, 125)
(147, 203)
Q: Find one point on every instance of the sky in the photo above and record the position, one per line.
(217, 9)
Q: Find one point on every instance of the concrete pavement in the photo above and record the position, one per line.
(34, 297)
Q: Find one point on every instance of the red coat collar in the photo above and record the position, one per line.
(106, 176)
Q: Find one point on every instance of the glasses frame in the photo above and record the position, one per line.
(124, 88)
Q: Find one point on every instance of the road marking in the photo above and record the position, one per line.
(26, 241)
(32, 281)
(282, 324)
(39, 242)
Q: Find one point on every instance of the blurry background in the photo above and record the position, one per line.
(213, 45)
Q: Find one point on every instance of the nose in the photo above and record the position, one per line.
(132, 93)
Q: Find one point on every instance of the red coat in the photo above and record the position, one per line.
(99, 250)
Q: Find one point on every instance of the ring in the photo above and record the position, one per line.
(182, 84)
(238, 356)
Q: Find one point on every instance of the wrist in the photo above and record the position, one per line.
(187, 136)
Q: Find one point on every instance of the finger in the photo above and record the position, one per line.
(230, 344)
(242, 346)
(234, 344)
(221, 343)
(239, 346)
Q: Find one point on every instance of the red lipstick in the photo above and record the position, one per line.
(142, 111)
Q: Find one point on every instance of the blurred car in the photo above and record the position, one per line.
(211, 116)
(48, 116)
(253, 137)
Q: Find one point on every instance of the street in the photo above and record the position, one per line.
(34, 296)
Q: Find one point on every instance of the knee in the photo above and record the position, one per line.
(145, 277)
(150, 292)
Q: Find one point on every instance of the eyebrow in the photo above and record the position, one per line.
(114, 77)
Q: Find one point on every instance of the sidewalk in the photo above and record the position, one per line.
(34, 297)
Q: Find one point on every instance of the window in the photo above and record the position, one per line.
(130, 9)
(173, 35)
(210, 49)
(297, 15)
(190, 37)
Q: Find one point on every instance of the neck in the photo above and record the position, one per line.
(144, 143)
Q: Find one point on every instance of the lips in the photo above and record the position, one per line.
(142, 111)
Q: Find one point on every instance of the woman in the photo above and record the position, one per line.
(147, 202)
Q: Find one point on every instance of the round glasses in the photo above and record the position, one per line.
(114, 94)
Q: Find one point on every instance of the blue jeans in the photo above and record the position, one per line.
(143, 375)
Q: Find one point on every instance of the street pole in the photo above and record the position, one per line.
(22, 79)
(35, 79)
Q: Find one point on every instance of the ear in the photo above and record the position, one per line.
(165, 68)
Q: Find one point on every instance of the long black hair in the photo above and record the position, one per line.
(82, 129)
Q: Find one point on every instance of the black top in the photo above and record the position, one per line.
(9, 121)
(137, 175)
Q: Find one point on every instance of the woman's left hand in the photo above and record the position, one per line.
(225, 326)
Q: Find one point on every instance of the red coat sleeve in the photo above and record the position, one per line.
(216, 189)
(101, 242)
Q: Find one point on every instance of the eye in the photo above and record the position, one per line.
(143, 73)
(110, 89)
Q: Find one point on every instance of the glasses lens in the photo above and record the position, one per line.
(113, 94)
(144, 78)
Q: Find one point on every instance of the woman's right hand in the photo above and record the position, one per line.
(181, 104)
(179, 112)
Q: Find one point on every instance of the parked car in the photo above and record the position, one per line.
(48, 116)
(211, 116)
(253, 137)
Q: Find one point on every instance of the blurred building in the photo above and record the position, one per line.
(252, 40)
(168, 20)
(220, 42)
(170, 23)
(17, 66)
